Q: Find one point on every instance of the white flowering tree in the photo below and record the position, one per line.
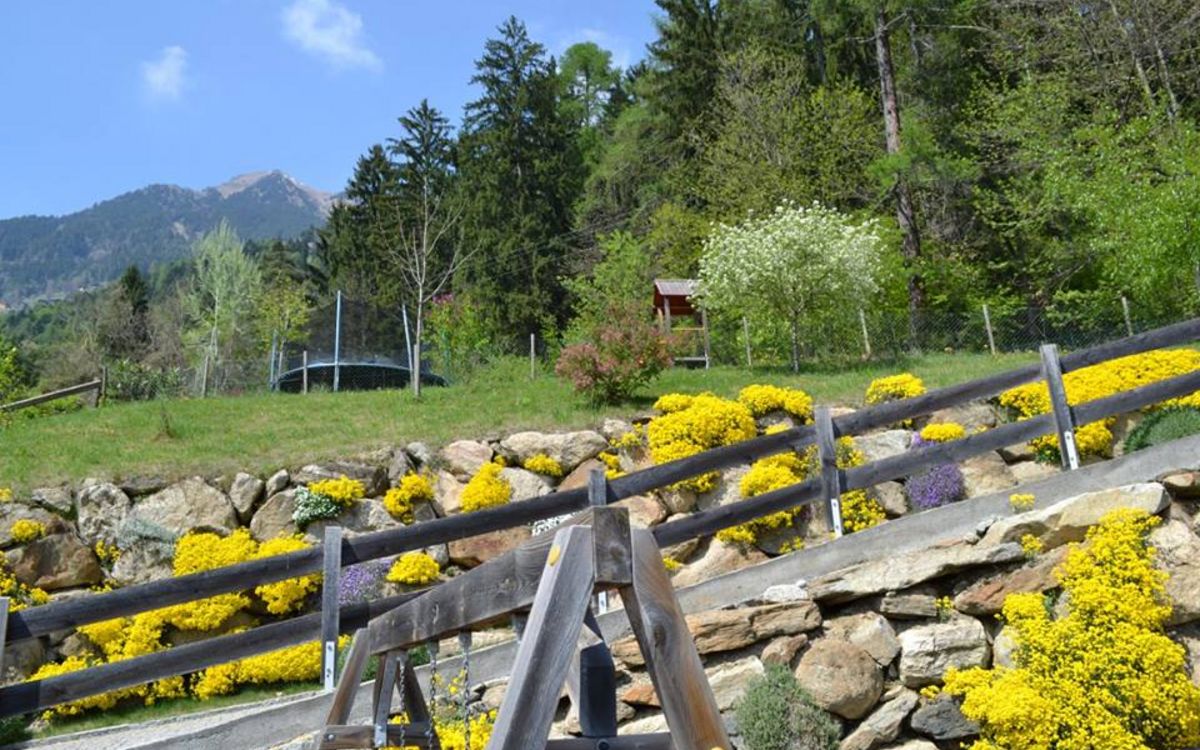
(792, 264)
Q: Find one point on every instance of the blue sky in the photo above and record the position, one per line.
(105, 97)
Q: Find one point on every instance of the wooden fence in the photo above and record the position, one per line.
(37, 621)
(74, 390)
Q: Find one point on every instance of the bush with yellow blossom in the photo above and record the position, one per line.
(894, 388)
(414, 569)
(6, 494)
(25, 530)
(705, 422)
(764, 399)
(19, 595)
(1100, 381)
(401, 500)
(283, 597)
(540, 463)
(326, 499)
(487, 489)
(1105, 674)
(942, 432)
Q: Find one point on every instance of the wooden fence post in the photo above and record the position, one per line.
(533, 356)
(831, 481)
(1064, 421)
(204, 376)
(103, 393)
(598, 498)
(3, 631)
(329, 604)
(1128, 320)
(414, 369)
(862, 319)
(304, 372)
(987, 324)
(746, 333)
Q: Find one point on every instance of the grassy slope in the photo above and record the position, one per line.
(263, 432)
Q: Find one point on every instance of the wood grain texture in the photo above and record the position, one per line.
(352, 674)
(330, 579)
(545, 654)
(671, 657)
(1064, 422)
(660, 741)
(358, 737)
(831, 479)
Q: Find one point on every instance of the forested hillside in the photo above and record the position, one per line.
(1040, 158)
(42, 256)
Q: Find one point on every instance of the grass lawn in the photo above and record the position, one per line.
(263, 432)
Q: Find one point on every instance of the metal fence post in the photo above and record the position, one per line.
(304, 372)
(532, 356)
(329, 604)
(831, 480)
(987, 324)
(1064, 420)
(337, 343)
(746, 333)
(414, 369)
(1128, 320)
(862, 319)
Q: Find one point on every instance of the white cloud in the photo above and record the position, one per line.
(330, 31)
(163, 78)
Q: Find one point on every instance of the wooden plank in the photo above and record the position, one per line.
(3, 631)
(660, 741)
(1064, 423)
(74, 390)
(357, 737)
(352, 674)
(545, 653)
(831, 481)
(330, 578)
(671, 657)
(28, 697)
(610, 527)
(1138, 398)
(384, 689)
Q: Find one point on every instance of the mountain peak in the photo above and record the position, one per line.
(321, 199)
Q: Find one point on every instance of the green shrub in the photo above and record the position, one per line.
(1162, 427)
(777, 714)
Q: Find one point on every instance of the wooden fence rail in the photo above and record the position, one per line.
(36, 621)
(74, 390)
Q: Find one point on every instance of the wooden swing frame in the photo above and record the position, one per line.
(553, 577)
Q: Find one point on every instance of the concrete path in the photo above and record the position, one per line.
(279, 723)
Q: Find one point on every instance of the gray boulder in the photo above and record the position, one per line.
(927, 651)
(245, 492)
(100, 509)
(188, 505)
(374, 478)
(569, 449)
(841, 678)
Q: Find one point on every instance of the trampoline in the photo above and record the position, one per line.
(350, 346)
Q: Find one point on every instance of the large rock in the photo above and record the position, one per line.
(1183, 484)
(54, 499)
(891, 498)
(277, 482)
(927, 651)
(141, 486)
(729, 681)
(465, 457)
(1004, 649)
(274, 517)
(868, 630)
(986, 597)
(912, 745)
(526, 485)
(644, 511)
(841, 678)
(569, 449)
(578, 477)
(447, 493)
(1068, 520)
(880, 445)
(903, 571)
(147, 554)
(100, 509)
(190, 504)
(245, 491)
(11, 512)
(368, 514)
(1179, 555)
(973, 416)
(57, 561)
(1032, 471)
(720, 558)
(782, 650)
(941, 719)
(985, 474)
(374, 478)
(727, 490)
(918, 603)
(883, 725)
(479, 549)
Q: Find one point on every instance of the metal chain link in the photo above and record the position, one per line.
(433, 678)
(404, 717)
(464, 640)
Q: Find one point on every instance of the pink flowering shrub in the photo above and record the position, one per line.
(626, 352)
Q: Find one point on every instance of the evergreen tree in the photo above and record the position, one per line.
(519, 174)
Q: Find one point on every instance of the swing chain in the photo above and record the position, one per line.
(433, 681)
(404, 718)
(464, 641)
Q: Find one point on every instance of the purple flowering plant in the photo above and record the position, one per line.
(937, 485)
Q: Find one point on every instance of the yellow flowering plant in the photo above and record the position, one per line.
(540, 463)
(612, 464)
(19, 595)
(1031, 545)
(631, 440)
(894, 388)
(1103, 675)
(283, 597)
(401, 500)
(942, 432)
(764, 399)
(487, 489)
(25, 530)
(326, 499)
(107, 554)
(6, 494)
(1021, 501)
(414, 569)
(705, 422)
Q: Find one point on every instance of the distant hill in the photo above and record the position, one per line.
(46, 257)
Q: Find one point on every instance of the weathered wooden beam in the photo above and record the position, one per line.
(352, 674)
(660, 741)
(74, 390)
(1064, 422)
(670, 653)
(545, 653)
(27, 697)
(330, 580)
(355, 737)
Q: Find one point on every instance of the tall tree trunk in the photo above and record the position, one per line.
(1131, 46)
(795, 343)
(905, 213)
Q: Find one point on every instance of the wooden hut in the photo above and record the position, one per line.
(686, 322)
